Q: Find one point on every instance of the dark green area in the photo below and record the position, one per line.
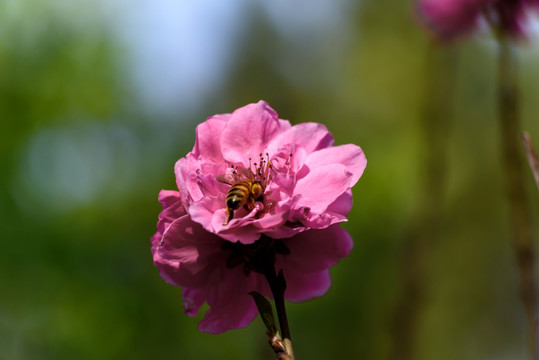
(78, 280)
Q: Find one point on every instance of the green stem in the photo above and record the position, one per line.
(265, 260)
(522, 236)
(278, 286)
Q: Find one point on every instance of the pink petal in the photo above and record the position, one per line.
(311, 136)
(305, 286)
(207, 138)
(206, 209)
(451, 17)
(172, 209)
(186, 241)
(168, 198)
(168, 269)
(348, 155)
(342, 205)
(322, 186)
(192, 300)
(245, 234)
(186, 178)
(271, 221)
(283, 163)
(231, 306)
(316, 250)
(248, 131)
(195, 253)
(210, 213)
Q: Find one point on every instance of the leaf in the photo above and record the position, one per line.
(266, 312)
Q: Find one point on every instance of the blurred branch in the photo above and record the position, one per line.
(435, 117)
(532, 157)
(522, 237)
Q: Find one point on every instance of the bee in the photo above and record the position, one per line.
(247, 187)
(245, 190)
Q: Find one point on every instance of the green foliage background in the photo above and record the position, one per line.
(78, 280)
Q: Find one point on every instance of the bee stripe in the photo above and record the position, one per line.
(238, 193)
(239, 188)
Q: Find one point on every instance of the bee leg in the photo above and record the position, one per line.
(230, 214)
(250, 205)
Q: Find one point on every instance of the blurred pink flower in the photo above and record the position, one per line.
(306, 191)
(451, 18)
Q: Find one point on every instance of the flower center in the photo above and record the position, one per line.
(248, 185)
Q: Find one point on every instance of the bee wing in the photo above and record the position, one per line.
(226, 179)
(246, 173)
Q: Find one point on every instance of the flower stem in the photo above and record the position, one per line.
(265, 259)
(277, 284)
(533, 160)
(522, 236)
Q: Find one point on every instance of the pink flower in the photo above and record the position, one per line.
(252, 175)
(451, 18)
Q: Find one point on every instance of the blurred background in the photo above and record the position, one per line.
(98, 99)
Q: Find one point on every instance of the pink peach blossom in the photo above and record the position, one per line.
(306, 183)
(451, 18)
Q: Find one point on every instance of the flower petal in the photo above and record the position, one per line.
(231, 306)
(186, 178)
(172, 209)
(342, 205)
(451, 17)
(210, 213)
(168, 198)
(248, 131)
(306, 286)
(207, 142)
(322, 186)
(316, 250)
(349, 155)
(194, 251)
(311, 136)
(192, 300)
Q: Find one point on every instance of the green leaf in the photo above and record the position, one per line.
(266, 312)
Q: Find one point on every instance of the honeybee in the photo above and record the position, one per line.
(245, 191)
(247, 186)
